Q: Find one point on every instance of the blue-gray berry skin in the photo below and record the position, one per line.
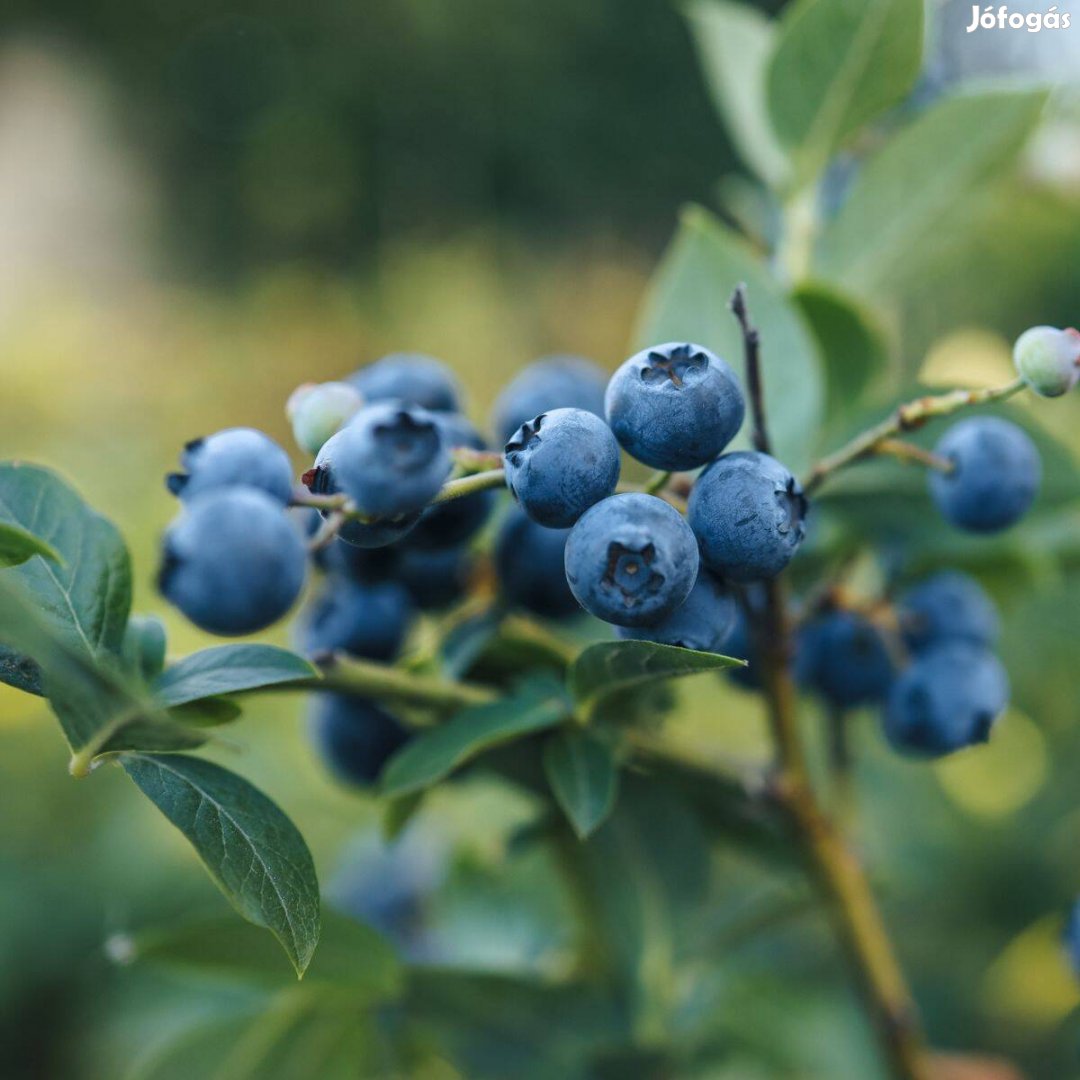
(995, 476)
(364, 565)
(844, 658)
(561, 463)
(631, 560)
(233, 561)
(391, 461)
(236, 457)
(553, 382)
(365, 620)
(411, 378)
(740, 644)
(354, 737)
(529, 564)
(948, 605)
(1071, 938)
(674, 406)
(948, 698)
(749, 516)
(704, 621)
(435, 579)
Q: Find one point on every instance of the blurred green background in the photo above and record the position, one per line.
(201, 209)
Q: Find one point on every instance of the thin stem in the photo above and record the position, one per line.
(838, 742)
(469, 485)
(908, 417)
(656, 483)
(912, 454)
(327, 531)
(752, 354)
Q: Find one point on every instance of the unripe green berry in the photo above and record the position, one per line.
(1048, 359)
(319, 410)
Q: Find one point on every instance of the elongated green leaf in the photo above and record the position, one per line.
(351, 955)
(434, 754)
(583, 776)
(688, 301)
(87, 596)
(250, 848)
(610, 667)
(734, 42)
(908, 200)
(17, 546)
(228, 669)
(853, 346)
(836, 66)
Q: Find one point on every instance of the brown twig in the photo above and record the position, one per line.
(751, 350)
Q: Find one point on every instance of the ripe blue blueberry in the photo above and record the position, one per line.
(435, 579)
(354, 737)
(631, 560)
(529, 563)
(948, 698)
(233, 561)
(947, 605)
(740, 644)
(674, 406)
(554, 382)
(845, 658)
(391, 460)
(341, 559)
(748, 514)
(560, 464)
(1048, 359)
(704, 621)
(319, 410)
(232, 458)
(995, 475)
(410, 378)
(366, 620)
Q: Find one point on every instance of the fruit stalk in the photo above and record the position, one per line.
(907, 417)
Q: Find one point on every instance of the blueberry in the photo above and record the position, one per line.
(411, 378)
(702, 622)
(232, 458)
(631, 560)
(748, 513)
(367, 620)
(1071, 937)
(554, 382)
(365, 565)
(319, 410)
(435, 579)
(529, 563)
(674, 406)
(740, 644)
(391, 461)
(354, 737)
(947, 605)
(450, 524)
(947, 699)
(233, 561)
(845, 658)
(560, 464)
(1048, 359)
(995, 475)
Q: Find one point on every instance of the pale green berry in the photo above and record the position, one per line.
(319, 410)
(1048, 359)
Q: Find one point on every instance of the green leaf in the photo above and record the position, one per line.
(837, 65)
(250, 848)
(86, 598)
(852, 343)
(434, 754)
(207, 712)
(351, 955)
(398, 814)
(610, 667)
(17, 546)
(906, 201)
(688, 301)
(734, 43)
(144, 646)
(228, 669)
(583, 776)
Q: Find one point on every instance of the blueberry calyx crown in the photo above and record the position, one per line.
(629, 571)
(525, 436)
(681, 365)
(317, 480)
(410, 441)
(794, 505)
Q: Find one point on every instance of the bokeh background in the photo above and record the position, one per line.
(201, 208)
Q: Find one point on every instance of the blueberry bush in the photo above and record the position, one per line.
(522, 608)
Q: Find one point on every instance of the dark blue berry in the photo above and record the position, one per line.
(845, 658)
(995, 475)
(674, 406)
(748, 513)
(554, 382)
(529, 563)
(703, 621)
(1071, 938)
(948, 605)
(411, 378)
(233, 458)
(560, 464)
(631, 560)
(435, 579)
(354, 737)
(366, 620)
(233, 561)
